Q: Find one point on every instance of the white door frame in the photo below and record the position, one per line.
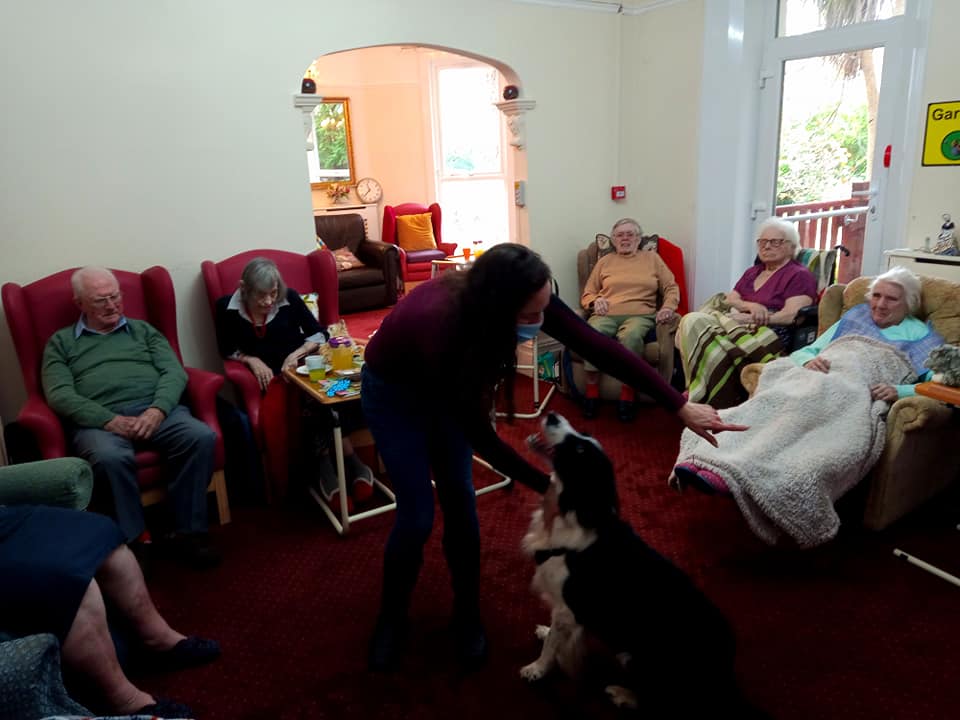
(736, 36)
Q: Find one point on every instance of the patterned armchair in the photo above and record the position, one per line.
(659, 347)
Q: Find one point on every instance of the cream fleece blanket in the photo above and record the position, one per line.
(812, 437)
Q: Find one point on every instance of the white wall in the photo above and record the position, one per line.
(661, 74)
(140, 134)
(935, 190)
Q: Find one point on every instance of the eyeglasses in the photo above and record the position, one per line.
(105, 300)
(770, 242)
(627, 234)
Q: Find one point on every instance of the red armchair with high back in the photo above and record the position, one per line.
(415, 264)
(315, 272)
(35, 311)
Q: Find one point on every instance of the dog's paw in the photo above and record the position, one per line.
(533, 672)
(621, 696)
(542, 631)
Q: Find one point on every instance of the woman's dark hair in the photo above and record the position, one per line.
(490, 296)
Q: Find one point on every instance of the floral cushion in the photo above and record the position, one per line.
(346, 260)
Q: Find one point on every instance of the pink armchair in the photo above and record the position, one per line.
(35, 311)
(315, 272)
(415, 265)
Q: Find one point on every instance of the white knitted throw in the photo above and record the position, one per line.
(812, 437)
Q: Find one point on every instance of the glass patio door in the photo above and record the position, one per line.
(831, 99)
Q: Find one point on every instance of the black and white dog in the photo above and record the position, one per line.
(598, 576)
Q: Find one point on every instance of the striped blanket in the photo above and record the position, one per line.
(714, 347)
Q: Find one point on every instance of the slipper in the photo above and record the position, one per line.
(189, 652)
(701, 479)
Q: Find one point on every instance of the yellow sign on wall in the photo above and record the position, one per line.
(941, 139)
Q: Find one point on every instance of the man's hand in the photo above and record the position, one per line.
(146, 424)
(819, 364)
(601, 306)
(122, 425)
(260, 371)
(704, 419)
(664, 315)
(882, 391)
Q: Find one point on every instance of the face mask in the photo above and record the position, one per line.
(527, 332)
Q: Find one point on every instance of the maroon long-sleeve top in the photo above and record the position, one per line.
(419, 341)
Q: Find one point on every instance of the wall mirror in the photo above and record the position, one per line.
(331, 159)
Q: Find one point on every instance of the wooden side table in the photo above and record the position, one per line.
(951, 396)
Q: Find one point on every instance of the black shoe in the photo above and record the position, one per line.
(388, 644)
(627, 410)
(194, 550)
(190, 652)
(471, 641)
(590, 406)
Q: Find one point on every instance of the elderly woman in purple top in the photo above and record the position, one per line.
(748, 324)
(428, 388)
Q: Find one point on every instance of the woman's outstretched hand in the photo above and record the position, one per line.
(704, 420)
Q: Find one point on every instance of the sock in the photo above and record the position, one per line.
(626, 393)
(593, 390)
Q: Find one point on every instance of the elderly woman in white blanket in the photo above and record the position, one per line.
(817, 417)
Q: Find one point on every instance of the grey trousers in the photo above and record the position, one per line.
(187, 446)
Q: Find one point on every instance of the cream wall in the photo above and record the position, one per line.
(139, 134)
(661, 71)
(935, 190)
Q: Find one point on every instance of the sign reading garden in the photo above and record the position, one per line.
(941, 139)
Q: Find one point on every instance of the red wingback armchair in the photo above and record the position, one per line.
(35, 311)
(314, 272)
(415, 265)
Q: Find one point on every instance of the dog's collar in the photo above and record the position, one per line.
(541, 556)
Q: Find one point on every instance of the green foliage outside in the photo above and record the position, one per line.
(330, 126)
(827, 150)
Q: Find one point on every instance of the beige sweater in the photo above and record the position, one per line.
(630, 284)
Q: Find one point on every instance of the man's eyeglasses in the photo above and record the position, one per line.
(629, 234)
(770, 242)
(103, 301)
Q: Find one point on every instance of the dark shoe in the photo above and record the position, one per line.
(194, 550)
(471, 641)
(388, 644)
(627, 410)
(164, 708)
(590, 407)
(189, 652)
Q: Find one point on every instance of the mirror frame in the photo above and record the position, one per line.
(351, 180)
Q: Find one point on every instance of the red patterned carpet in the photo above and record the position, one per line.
(843, 631)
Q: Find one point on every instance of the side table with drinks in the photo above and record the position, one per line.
(331, 383)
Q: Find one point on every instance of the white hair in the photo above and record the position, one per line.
(789, 230)
(908, 282)
(80, 276)
(627, 221)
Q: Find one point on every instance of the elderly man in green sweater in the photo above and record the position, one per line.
(117, 383)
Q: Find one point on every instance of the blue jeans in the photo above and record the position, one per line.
(414, 438)
(187, 446)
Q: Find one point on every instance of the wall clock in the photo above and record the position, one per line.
(369, 190)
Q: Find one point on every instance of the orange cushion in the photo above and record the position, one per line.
(415, 232)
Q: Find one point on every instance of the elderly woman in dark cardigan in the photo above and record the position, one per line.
(269, 328)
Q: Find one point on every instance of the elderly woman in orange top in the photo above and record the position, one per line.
(622, 294)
